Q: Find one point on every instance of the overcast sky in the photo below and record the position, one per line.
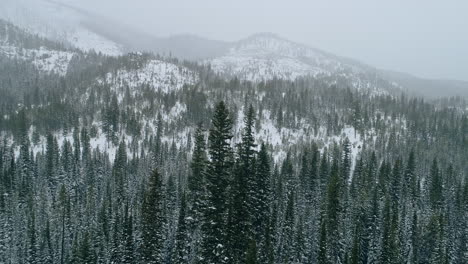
(425, 38)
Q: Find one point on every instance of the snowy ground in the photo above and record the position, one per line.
(45, 60)
(56, 22)
(158, 74)
(265, 56)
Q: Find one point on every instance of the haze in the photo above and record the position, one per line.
(425, 38)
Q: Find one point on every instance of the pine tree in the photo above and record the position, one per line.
(182, 235)
(288, 232)
(158, 150)
(32, 250)
(64, 207)
(215, 240)
(410, 180)
(357, 117)
(334, 211)
(152, 220)
(251, 256)
(85, 253)
(313, 174)
(324, 171)
(415, 239)
(196, 180)
(390, 245)
(197, 191)
(120, 172)
(436, 185)
(46, 245)
(128, 250)
(50, 156)
(261, 203)
(242, 209)
(323, 253)
(432, 250)
(355, 251)
(346, 163)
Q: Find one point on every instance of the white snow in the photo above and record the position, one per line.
(265, 56)
(45, 60)
(57, 22)
(281, 139)
(159, 75)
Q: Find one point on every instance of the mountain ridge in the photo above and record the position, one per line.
(257, 57)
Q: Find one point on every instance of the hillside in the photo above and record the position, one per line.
(272, 153)
(57, 22)
(259, 57)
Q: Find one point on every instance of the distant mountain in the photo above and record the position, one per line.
(57, 22)
(46, 56)
(431, 88)
(266, 55)
(263, 56)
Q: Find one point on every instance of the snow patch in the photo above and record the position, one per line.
(45, 60)
(157, 74)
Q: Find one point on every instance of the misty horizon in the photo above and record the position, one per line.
(423, 39)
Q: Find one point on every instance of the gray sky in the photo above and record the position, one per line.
(425, 38)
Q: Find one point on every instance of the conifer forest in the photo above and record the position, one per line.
(146, 158)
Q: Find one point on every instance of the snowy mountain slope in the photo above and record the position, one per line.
(45, 60)
(57, 22)
(266, 56)
(160, 75)
(46, 56)
(260, 57)
(140, 72)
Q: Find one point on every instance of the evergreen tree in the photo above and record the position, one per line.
(197, 191)
(323, 254)
(346, 163)
(32, 250)
(251, 256)
(152, 220)
(182, 235)
(242, 205)
(287, 250)
(218, 178)
(436, 185)
(334, 212)
(261, 199)
(128, 251)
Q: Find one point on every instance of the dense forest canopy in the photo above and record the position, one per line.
(111, 163)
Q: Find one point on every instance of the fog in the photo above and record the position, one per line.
(425, 38)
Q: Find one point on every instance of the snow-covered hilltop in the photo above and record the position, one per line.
(266, 56)
(260, 57)
(57, 22)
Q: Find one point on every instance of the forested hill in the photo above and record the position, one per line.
(145, 159)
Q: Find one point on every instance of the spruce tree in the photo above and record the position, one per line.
(242, 209)
(261, 203)
(152, 220)
(334, 211)
(323, 251)
(218, 178)
(128, 243)
(197, 192)
(251, 256)
(181, 255)
(436, 185)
